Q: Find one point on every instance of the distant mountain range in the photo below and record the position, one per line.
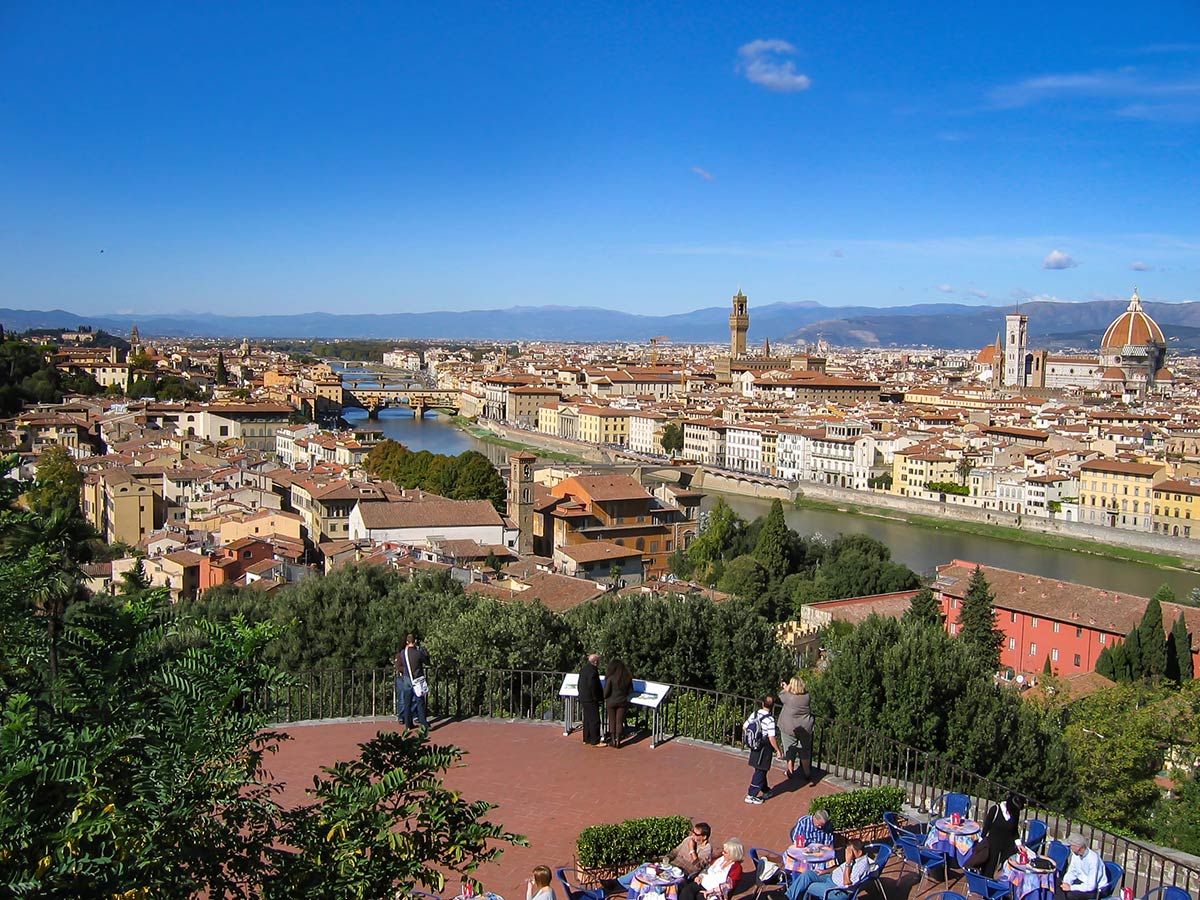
(945, 325)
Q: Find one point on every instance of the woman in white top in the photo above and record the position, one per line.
(537, 886)
(720, 878)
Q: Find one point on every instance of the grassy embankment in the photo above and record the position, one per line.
(466, 425)
(1004, 533)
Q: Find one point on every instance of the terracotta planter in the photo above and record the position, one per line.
(877, 831)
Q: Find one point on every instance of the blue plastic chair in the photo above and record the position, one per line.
(1060, 853)
(779, 879)
(574, 891)
(988, 888)
(1167, 892)
(1039, 894)
(954, 803)
(895, 829)
(882, 855)
(850, 892)
(1115, 873)
(946, 895)
(924, 859)
(1035, 834)
(424, 894)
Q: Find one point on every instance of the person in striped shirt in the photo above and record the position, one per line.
(814, 829)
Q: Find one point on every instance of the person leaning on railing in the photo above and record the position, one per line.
(718, 880)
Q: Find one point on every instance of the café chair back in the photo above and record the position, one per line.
(880, 854)
(946, 895)
(988, 888)
(1060, 853)
(1115, 873)
(1040, 894)
(925, 860)
(777, 880)
(895, 829)
(951, 803)
(1035, 834)
(1167, 892)
(569, 879)
(850, 892)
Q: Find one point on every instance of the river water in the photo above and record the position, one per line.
(919, 548)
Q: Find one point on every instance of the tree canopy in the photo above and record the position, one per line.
(468, 476)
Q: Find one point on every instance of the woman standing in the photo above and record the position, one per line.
(796, 726)
(618, 688)
(1001, 827)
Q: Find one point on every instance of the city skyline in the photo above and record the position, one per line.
(283, 160)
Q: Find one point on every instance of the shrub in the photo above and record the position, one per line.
(854, 809)
(630, 842)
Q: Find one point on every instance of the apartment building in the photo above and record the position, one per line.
(1175, 501)
(1119, 494)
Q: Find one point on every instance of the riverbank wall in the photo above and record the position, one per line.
(1183, 548)
(588, 452)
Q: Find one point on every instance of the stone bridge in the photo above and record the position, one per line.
(419, 400)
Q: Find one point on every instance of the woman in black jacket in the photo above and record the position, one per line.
(618, 688)
(1001, 828)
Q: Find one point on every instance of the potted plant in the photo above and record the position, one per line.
(602, 852)
(859, 814)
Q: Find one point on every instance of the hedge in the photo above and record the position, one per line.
(630, 842)
(853, 809)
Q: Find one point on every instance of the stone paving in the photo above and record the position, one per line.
(549, 787)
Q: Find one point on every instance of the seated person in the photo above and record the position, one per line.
(717, 881)
(815, 828)
(1085, 872)
(537, 886)
(693, 854)
(854, 869)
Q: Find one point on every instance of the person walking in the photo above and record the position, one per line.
(764, 747)
(411, 684)
(618, 688)
(796, 725)
(590, 695)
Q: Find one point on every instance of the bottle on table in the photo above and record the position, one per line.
(800, 840)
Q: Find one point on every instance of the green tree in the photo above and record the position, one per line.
(221, 376)
(1178, 821)
(134, 582)
(720, 539)
(771, 547)
(745, 577)
(672, 438)
(924, 608)
(1152, 636)
(1179, 663)
(977, 622)
(58, 480)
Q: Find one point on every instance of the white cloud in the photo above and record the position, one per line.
(762, 63)
(703, 173)
(976, 292)
(1056, 259)
(946, 288)
(1128, 92)
(1139, 266)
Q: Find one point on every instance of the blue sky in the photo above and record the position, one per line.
(258, 157)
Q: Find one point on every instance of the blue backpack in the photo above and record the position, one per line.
(752, 732)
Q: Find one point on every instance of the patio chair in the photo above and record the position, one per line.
(988, 888)
(776, 880)
(946, 895)
(880, 854)
(895, 829)
(1035, 834)
(1039, 894)
(1167, 892)
(924, 859)
(1115, 874)
(951, 803)
(569, 879)
(850, 892)
(1060, 853)
(424, 895)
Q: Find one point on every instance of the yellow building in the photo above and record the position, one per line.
(119, 506)
(1118, 494)
(918, 465)
(603, 425)
(1176, 504)
(770, 442)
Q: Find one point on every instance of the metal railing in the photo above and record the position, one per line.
(846, 751)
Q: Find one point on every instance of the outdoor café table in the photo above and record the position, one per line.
(1026, 878)
(482, 895)
(653, 878)
(816, 856)
(946, 837)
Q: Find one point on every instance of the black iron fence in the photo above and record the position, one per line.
(845, 751)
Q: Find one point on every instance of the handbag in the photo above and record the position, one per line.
(420, 686)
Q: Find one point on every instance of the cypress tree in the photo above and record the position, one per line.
(1153, 663)
(771, 548)
(977, 622)
(1181, 649)
(1105, 665)
(221, 375)
(924, 608)
(1046, 669)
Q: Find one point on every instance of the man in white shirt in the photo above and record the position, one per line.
(853, 870)
(1085, 871)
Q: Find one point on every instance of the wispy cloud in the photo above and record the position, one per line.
(1139, 266)
(1126, 92)
(976, 292)
(838, 253)
(1056, 259)
(703, 173)
(763, 63)
(946, 288)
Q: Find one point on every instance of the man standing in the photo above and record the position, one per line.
(411, 685)
(761, 756)
(1085, 871)
(853, 870)
(590, 695)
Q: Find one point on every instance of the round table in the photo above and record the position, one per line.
(653, 878)
(1027, 877)
(946, 837)
(815, 856)
(482, 895)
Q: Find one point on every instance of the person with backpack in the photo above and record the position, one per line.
(759, 735)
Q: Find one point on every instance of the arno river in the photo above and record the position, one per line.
(920, 548)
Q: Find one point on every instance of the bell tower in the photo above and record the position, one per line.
(739, 324)
(520, 499)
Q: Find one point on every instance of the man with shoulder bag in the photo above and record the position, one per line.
(411, 684)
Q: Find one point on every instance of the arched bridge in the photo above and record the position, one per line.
(419, 400)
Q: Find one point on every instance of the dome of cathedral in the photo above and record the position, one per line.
(1132, 328)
